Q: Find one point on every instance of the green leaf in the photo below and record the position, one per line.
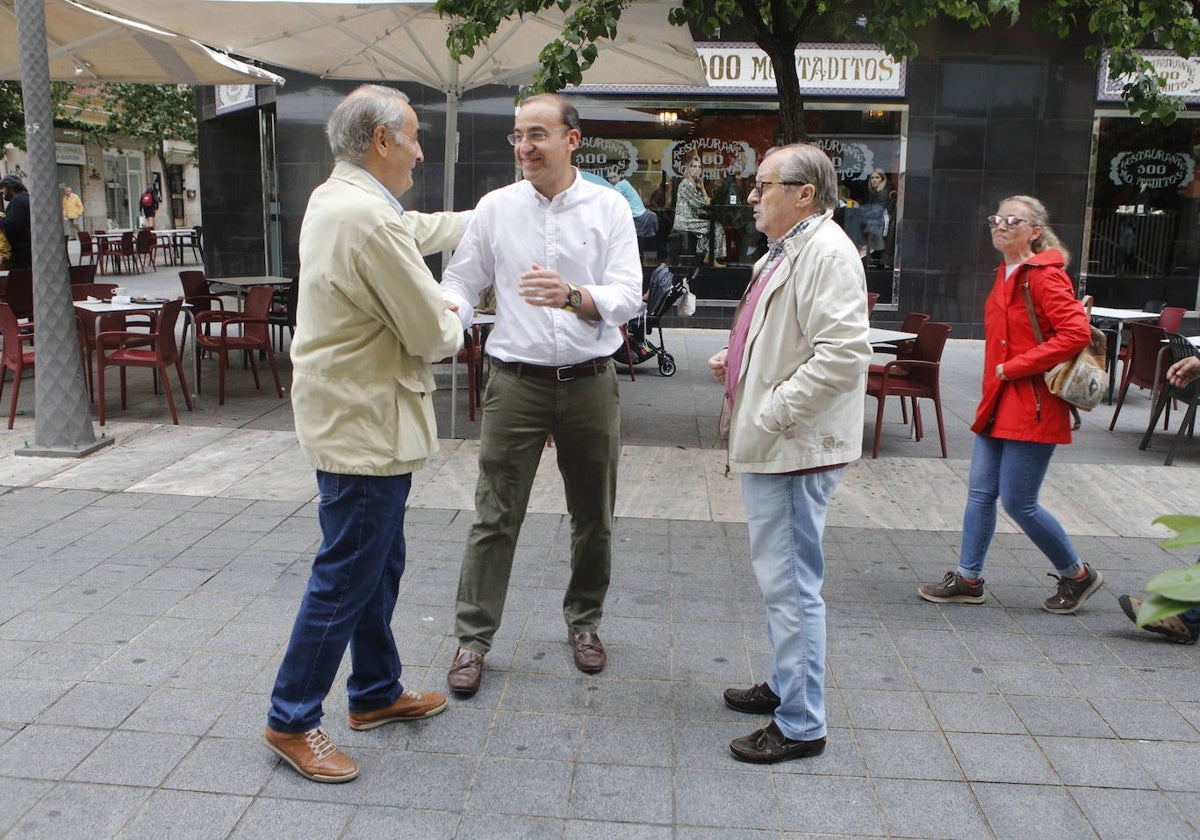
(1177, 584)
(1158, 606)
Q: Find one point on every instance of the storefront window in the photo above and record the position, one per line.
(651, 148)
(1143, 242)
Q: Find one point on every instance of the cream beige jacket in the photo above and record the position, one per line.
(799, 398)
(370, 319)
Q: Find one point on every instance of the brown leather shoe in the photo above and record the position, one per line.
(588, 652)
(466, 672)
(410, 705)
(312, 754)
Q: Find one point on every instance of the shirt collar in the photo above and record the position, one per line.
(775, 249)
(395, 201)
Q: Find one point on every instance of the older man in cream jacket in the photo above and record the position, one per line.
(370, 319)
(794, 376)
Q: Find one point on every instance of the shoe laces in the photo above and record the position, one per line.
(319, 743)
(413, 695)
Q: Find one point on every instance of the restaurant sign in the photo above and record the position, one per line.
(853, 161)
(1152, 169)
(1181, 76)
(720, 158)
(70, 154)
(822, 68)
(604, 156)
(234, 97)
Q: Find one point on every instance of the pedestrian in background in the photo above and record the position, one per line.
(370, 317)
(562, 255)
(794, 374)
(14, 223)
(1019, 422)
(72, 211)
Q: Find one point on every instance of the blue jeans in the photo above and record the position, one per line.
(1012, 471)
(349, 602)
(786, 518)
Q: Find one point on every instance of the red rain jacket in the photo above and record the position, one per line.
(1022, 408)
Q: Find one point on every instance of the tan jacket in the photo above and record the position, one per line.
(799, 398)
(370, 319)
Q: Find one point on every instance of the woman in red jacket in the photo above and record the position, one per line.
(1019, 422)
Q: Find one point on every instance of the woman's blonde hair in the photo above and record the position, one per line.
(1048, 239)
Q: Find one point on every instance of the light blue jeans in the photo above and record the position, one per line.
(1011, 471)
(786, 519)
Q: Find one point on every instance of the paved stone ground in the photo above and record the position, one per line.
(140, 633)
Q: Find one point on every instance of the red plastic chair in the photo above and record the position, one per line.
(14, 356)
(902, 349)
(200, 297)
(155, 350)
(872, 299)
(254, 333)
(917, 377)
(1143, 368)
(87, 248)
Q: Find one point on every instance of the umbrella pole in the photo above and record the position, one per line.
(62, 416)
(451, 152)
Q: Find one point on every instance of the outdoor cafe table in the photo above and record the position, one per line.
(97, 308)
(178, 237)
(878, 335)
(244, 283)
(1120, 316)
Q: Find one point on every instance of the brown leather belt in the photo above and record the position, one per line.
(558, 374)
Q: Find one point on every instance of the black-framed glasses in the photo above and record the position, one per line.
(1007, 221)
(761, 186)
(537, 136)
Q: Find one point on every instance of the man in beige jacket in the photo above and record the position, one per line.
(370, 320)
(794, 376)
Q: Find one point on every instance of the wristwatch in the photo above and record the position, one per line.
(574, 299)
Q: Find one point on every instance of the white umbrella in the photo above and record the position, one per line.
(406, 41)
(85, 45)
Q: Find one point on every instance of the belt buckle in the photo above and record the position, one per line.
(558, 373)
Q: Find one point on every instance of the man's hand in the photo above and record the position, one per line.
(452, 307)
(717, 364)
(543, 287)
(1184, 371)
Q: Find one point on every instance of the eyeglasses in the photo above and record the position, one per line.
(535, 137)
(761, 186)
(1007, 221)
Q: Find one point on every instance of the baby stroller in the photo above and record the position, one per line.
(666, 287)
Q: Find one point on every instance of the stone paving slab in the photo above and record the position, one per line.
(137, 657)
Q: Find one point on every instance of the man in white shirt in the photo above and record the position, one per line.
(562, 255)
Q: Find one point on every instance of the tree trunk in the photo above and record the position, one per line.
(787, 85)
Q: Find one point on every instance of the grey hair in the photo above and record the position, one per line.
(1048, 238)
(809, 164)
(353, 122)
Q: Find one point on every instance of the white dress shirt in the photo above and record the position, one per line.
(585, 234)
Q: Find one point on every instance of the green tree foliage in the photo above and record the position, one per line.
(150, 114)
(778, 26)
(12, 111)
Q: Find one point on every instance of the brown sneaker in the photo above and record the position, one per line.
(588, 652)
(410, 705)
(466, 672)
(312, 755)
(1173, 626)
(1072, 593)
(952, 589)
